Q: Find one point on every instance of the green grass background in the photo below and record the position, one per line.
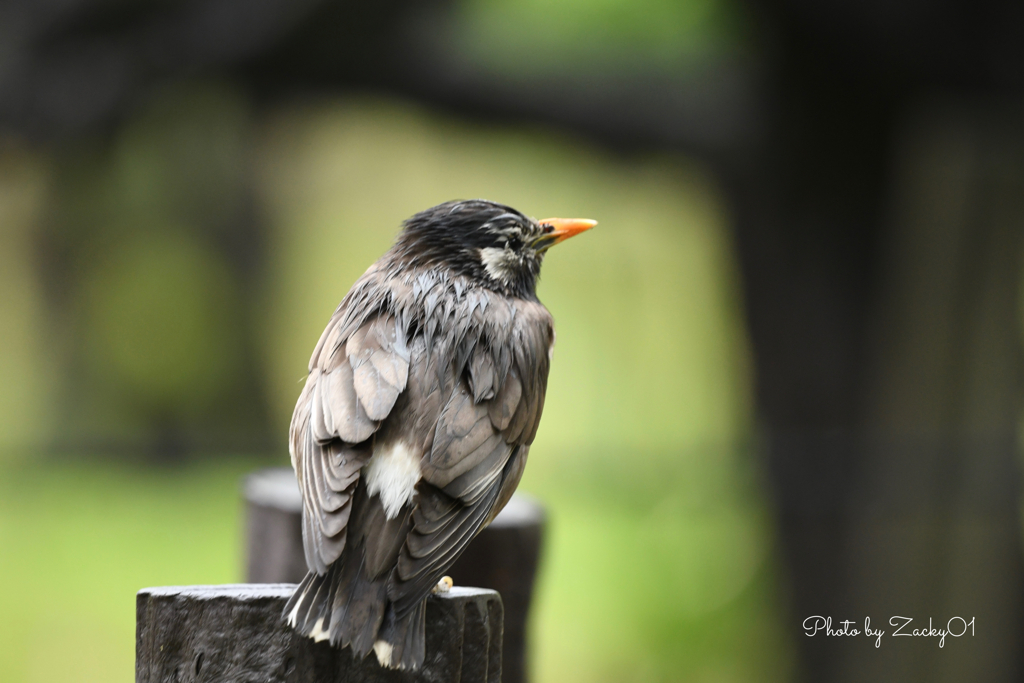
(659, 560)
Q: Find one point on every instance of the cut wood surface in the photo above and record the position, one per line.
(236, 633)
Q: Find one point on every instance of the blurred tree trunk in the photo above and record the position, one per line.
(881, 259)
(879, 228)
(939, 533)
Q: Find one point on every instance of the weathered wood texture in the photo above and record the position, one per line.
(503, 557)
(236, 633)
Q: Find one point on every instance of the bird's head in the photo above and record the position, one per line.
(494, 244)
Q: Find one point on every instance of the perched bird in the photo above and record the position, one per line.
(423, 396)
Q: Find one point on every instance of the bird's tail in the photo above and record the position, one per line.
(307, 610)
(401, 642)
(349, 609)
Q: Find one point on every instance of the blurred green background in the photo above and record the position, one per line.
(658, 565)
(162, 286)
(188, 188)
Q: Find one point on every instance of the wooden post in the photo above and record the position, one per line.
(273, 527)
(503, 557)
(236, 633)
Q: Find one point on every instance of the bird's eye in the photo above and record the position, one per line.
(547, 228)
(514, 243)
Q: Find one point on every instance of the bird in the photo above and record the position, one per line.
(412, 431)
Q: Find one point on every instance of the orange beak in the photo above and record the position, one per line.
(564, 228)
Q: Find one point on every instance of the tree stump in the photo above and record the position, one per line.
(503, 557)
(236, 633)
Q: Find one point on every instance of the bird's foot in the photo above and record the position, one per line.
(443, 586)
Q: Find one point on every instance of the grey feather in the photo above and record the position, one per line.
(482, 379)
(379, 358)
(348, 420)
(505, 403)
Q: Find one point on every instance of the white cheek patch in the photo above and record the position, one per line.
(499, 263)
(392, 474)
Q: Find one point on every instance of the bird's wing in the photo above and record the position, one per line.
(474, 459)
(356, 374)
